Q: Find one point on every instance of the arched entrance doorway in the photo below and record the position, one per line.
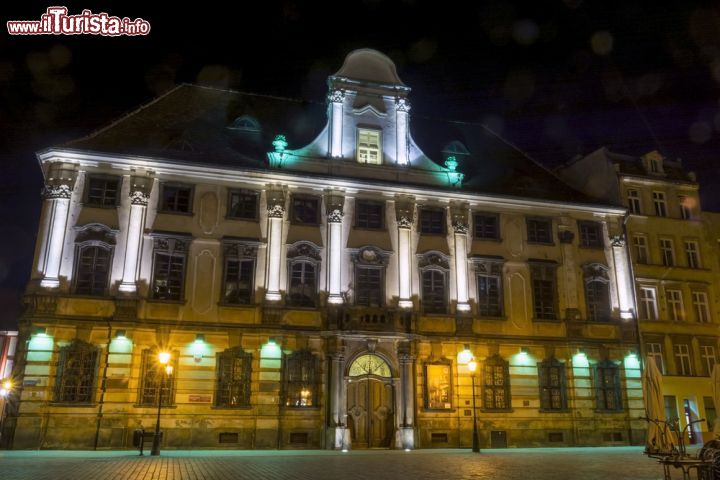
(370, 401)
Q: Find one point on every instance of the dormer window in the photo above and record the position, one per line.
(368, 147)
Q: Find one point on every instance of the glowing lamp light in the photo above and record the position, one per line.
(164, 357)
(472, 365)
(580, 360)
(465, 356)
(4, 392)
(169, 370)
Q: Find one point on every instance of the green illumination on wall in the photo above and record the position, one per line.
(270, 350)
(40, 348)
(632, 362)
(120, 345)
(580, 360)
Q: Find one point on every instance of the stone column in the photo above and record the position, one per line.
(569, 277)
(402, 107)
(623, 276)
(406, 438)
(140, 188)
(405, 215)
(338, 423)
(336, 98)
(334, 203)
(58, 188)
(276, 213)
(460, 228)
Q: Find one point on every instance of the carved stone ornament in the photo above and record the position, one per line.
(617, 240)
(139, 198)
(304, 249)
(56, 191)
(459, 219)
(335, 216)
(276, 202)
(402, 105)
(240, 249)
(170, 244)
(566, 236)
(595, 272)
(95, 232)
(336, 96)
(405, 211)
(488, 266)
(433, 259)
(370, 256)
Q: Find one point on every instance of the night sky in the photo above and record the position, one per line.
(556, 78)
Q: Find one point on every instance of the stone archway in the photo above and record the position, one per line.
(370, 402)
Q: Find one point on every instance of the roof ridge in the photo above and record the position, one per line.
(263, 95)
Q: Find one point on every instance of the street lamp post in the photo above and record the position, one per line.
(164, 359)
(472, 366)
(5, 391)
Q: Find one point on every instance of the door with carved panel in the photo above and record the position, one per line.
(370, 403)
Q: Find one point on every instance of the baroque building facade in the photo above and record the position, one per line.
(674, 251)
(328, 295)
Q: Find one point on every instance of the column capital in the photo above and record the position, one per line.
(59, 180)
(406, 358)
(402, 105)
(405, 211)
(275, 201)
(336, 96)
(52, 191)
(617, 241)
(140, 188)
(139, 197)
(334, 206)
(459, 218)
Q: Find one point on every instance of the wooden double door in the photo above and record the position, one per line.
(371, 416)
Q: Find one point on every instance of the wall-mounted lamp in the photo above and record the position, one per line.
(198, 347)
(120, 335)
(524, 350)
(465, 355)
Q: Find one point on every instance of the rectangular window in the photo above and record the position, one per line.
(682, 359)
(539, 230)
(305, 210)
(676, 311)
(369, 150)
(590, 234)
(496, 384)
(168, 280)
(432, 220)
(433, 291)
(544, 291)
(607, 385)
(551, 376)
(75, 381)
(301, 376)
(707, 354)
(685, 210)
(659, 202)
(487, 227)
(92, 270)
(641, 249)
(648, 303)
(175, 198)
(369, 214)
(239, 274)
(233, 378)
(103, 191)
(489, 296)
(302, 291)
(692, 254)
(243, 204)
(671, 409)
(634, 201)
(654, 351)
(369, 290)
(438, 386)
(667, 252)
(154, 380)
(701, 307)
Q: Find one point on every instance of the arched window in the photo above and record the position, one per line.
(303, 269)
(301, 376)
(553, 390)
(607, 386)
(234, 367)
(496, 384)
(93, 259)
(597, 295)
(434, 268)
(75, 381)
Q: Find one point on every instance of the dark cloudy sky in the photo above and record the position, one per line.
(557, 78)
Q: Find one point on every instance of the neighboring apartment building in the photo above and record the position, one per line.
(675, 262)
(321, 274)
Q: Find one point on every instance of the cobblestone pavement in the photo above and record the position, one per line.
(512, 464)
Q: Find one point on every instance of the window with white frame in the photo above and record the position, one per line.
(641, 249)
(660, 204)
(682, 359)
(648, 303)
(368, 147)
(707, 354)
(701, 307)
(692, 254)
(633, 197)
(667, 252)
(685, 210)
(303, 267)
(675, 308)
(654, 352)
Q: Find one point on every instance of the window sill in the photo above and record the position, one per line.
(609, 411)
(220, 407)
(237, 305)
(488, 239)
(496, 410)
(170, 302)
(102, 207)
(154, 406)
(441, 410)
(242, 219)
(542, 244)
(546, 320)
(488, 318)
(73, 404)
(170, 212)
(551, 410)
